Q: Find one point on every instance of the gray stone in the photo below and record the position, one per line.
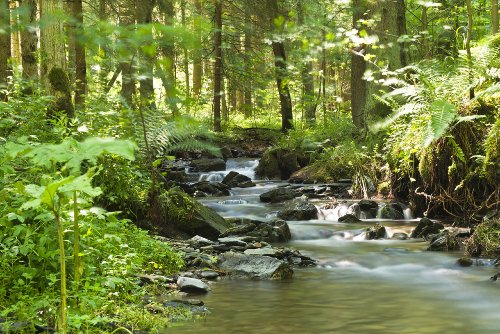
(444, 241)
(188, 284)
(200, 241)
(375, 232)
(232, 241)
(266, 251)
(234, 178)
(399, 236)
(426, 227)
(279, 195)
(390, 212)
(153, 279)
(366, 204)
(298, 209)
(209, 274)
(354, 210)
(256, 267)
(349, 219)
(246, 184)
(209, 165)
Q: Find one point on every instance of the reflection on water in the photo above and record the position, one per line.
(359, 286)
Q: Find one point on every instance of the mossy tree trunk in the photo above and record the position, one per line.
(247, 95)
(197, 53)
(494, 16)
(5, 46)
(29, 40)
(218, 65)
(127, 21)
(80, 59)
(54, 63)
(146, 88)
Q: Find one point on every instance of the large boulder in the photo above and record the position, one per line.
(278, 163)
(276, 230)
(209, 165)
(391, 212)
(367, 205)
(426, 227)
(349, 219)
(279, 195)
(235, 179)
(186, 215)
(298, 209)
(188, 284)
(444, 241)
(375, 232)
(256, 267)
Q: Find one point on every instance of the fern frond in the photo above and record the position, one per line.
(443, 114)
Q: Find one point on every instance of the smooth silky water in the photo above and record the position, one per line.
(359, 286)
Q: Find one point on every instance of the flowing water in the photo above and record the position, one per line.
(359, 286)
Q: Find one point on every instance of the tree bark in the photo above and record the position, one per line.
(5, 46)
(168, 50)
(146, 89)
(281, 71)
(494, 16)
(247, 90)
(307, 77)
(358, 67)
(218, 65)
(29, 40)
(197, 52)
(186, 55)
(127, 21)
(80, 59)
(467, 45)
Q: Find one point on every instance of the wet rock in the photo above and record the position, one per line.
(240, 227)
(212, 188)
(399, 236)
(209, 165)
(426, 227)
(391, 212)
(186, 215)
(354, 209)
(265, 251)
(278, 163)
(153, 279)
(495, 277)
(367, 205)
(465, 262)
(234, 179)
(444, 241)
(255, 267)
(349, 219)
(200, 241)
(298, 209)
(246, 184)
(176, 176)
(375, 232)
(278, 195)
(232, 241)
(188, 284)
(209, 274)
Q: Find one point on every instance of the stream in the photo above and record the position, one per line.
(358, 286)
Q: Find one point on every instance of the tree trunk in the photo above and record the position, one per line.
(197, 53)
(247, 90)
(425, 27)
(186, 55)
(29, 40)
(467, 45)
(80, 60)
(54, 63)
(281, 71)
(218, 65)
(5, 46)
(127, 21)
(494, 16)
(146, 89)
(307, 77)
(358, 67)
(168, 50)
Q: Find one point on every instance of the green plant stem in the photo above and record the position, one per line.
(76, 244)
(60, 233)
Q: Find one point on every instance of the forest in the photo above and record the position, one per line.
(166, 163)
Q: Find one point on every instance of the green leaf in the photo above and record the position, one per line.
(442, 115)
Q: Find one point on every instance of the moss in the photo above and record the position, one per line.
(492, 152)
(59, 82)
(485, 240)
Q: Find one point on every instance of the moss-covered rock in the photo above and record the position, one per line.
(315, 173)
(186, 216)
(485, 241)
(279, 163)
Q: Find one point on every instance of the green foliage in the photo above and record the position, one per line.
(491, 162)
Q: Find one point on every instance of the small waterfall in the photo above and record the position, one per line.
(381, 207)
(334, 213)
(243, 166)
(233, 202)
(211, 177)
(408, 214)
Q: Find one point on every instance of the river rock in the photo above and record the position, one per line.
(278, 195)
(184, 214)
(213, 188)
(209, 165)
(298, 209)
(200, 241)
(391, 212)
(256, 267)
(349, 219)
(234, 179)
(465, 262)
(209, 274)
(444, 241)
(265, 251)
(366, 204)
(375, 232)
(399, 236)
(354, 209)
(279, 163)
(232, 241)
(188, 284)
(426, 227)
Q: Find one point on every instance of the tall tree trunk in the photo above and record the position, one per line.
(127, 21)
(467, 45)
(186, 55)
(29, 40)
(401, 24)
(105, 67)
(146, 89)
(80, 59)
(168, 50)
(494, 16)
(54, 63)
(5, 46)
(197, 53)
(281, 71)
(358, 67)
(425, 27)
(306, 75)
(247, 90)
(218, 65)
(15, 35)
